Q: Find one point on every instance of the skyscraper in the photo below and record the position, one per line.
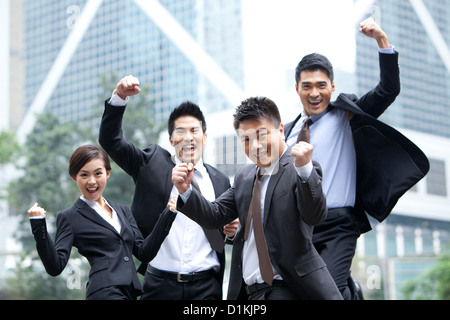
(122, 38)
(423, 104)
(57, 52)
(419, 226)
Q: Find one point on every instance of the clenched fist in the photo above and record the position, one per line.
(182, 176)
(36, 211)
(302, 153)
(128, 86)
(371, 29)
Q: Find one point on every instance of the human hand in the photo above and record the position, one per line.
(302, 153)
(128, 86)
(371, 29)
(182, 176)
(36, 211)
(172, 205)
(231, 228)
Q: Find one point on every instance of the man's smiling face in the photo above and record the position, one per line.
(188, 139)
(314, 89)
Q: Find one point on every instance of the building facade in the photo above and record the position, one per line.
(418, 229)
(122, 39)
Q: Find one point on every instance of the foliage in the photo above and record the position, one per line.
(43, 173)
(43, 177)
(9, 147)
(434, 284)
(31, 282)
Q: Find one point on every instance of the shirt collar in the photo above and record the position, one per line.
(94, 204)
(315, 118)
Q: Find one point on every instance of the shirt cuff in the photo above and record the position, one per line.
(390, 50)
(305, 172)
(117, 101)
(36, 218)
(185, 196)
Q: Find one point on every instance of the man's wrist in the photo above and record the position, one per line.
(305, 172)
(185, 196)
(383, 43)
(117, 101)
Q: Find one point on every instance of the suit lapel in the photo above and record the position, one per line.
(284, 160)
(288, 128)
(169, 184)
(214, 180)
(89, 213)
(124, 224)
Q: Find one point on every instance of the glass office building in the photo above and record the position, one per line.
(423, 104)
(122, 39)
(419, 227)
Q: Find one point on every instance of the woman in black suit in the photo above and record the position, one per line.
(103, 231)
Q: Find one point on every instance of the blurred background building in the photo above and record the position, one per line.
(420, 224)
(217, 52)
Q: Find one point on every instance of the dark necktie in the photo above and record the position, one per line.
(214, 237)
(304, 134)
(254, 212)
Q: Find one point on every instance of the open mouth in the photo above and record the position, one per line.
(315, 104)
(189, 149)
(92, 191)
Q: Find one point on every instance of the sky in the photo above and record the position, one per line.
(277, 34)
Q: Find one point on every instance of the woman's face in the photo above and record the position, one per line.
(91, 179)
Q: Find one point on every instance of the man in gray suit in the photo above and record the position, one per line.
(290, 201)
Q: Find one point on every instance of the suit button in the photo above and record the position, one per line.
(126, 259)
(120, 242)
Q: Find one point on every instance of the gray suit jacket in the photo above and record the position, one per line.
(291, 210)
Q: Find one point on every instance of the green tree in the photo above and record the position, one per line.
(43, 171)
(30, 281)
(44, 179)
(433, 284)
(8, 147)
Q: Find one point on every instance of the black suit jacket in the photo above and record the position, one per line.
(108, 252)
(291, 210)
(388, 163)
(151, 170)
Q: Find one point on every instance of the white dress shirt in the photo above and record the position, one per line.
(114, 220)
(186, 248)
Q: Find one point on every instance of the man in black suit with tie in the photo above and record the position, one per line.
(190, 263)
(367, 165)
(278, 202)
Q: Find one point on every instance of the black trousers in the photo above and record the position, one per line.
(335, 240)
(114, 293)
(162, 288)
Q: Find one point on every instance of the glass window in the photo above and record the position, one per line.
(436, 178)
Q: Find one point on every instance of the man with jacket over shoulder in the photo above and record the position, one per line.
(367, 165)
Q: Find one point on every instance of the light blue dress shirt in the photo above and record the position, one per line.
(332, 139)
